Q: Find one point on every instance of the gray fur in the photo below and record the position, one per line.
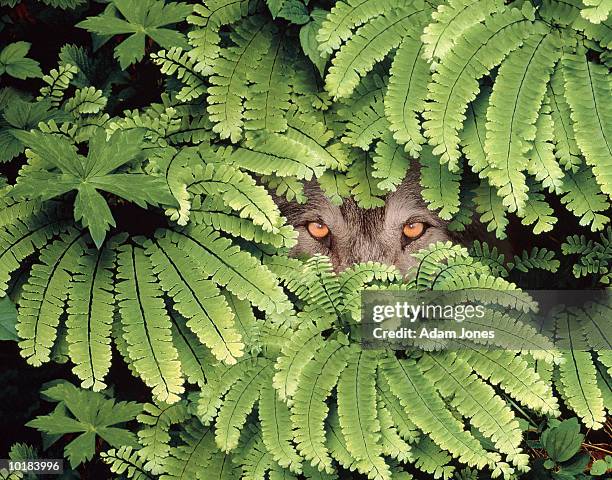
(360, 235)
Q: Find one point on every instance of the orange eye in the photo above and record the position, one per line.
(414, 230)
(318, 230)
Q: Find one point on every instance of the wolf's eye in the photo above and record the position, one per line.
(413, 230)
(318, 230)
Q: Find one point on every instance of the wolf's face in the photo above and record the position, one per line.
(349, 234)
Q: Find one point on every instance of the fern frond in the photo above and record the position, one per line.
(440, 186)
(289, 187)
(195, 298)
(125, 461)
(208, 19)
(309, 409)
(196, 360)
(276, 429)
(393, 445)
(584, 199)
(155, 437)
(322, 285)
(536, 211)
(181, 64)
(405, 97)
(319, 140)
(158, 123)
(431, 260)
(238, 403)
(276, 154)
(236, 270)
(255, 460)
(294, 357)
(542, 162)
(190, 457)
(577, 372)
(196, 129)
(515, 376)
(513, 109)
(146, 325)
(540, 258)
(91, 307)
(455, 83)
(359, 179)
(566, 150)
(336, 443)
(401, 419)
(477, 401)
(489, 256)
(239, 192)
(43, 297)
(357, 413)
(467, 207)
(229, 82)
(390, 163)
(366, 123)
(344, 17)
(430, 459)
(596, 11)
(86, 100)
(218, 384)
(473, 134)
(491, 209)
(24, 232)
(596, 334)
(335, 186)
(57, 82)
(212, 211)
(450, 21)
(588, 91)
(247, 324)
(268, 95)
(352, 280)
(369, 45)
(423, 404)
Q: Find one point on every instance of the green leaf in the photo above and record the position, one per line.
(455, 83)
(405, 97)
(440, 186)
(14, 62)
(90, 316)
(88, 175)
(87, 414)
(146, 325)
(513, 110)
(91, 209)
(563, 441)
(599, 467)
(8, 320)
(293, 10)
(596, 11)
(308, 39)
(367, 46)
(588, 92)
(142, 18)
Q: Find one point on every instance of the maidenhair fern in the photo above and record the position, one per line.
(142, 228)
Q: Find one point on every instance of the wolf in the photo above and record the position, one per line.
(390, 234)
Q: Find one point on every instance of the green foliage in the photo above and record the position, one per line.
(141, 19)
(89, 415)
(8, 320)
(13, 61)
(60, 170)
(137, 224)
